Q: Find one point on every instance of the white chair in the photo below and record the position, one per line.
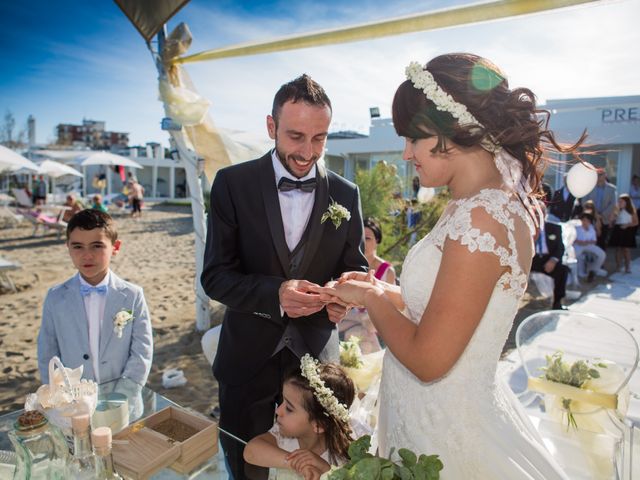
(602, 445)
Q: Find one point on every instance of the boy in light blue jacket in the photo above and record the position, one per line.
(96, 319)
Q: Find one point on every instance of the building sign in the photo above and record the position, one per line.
(619, 115)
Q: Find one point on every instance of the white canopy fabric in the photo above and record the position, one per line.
(57, 169)
(105, 158)
(10, 160)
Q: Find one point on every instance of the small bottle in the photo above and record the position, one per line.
(101, 439)
(83, 464)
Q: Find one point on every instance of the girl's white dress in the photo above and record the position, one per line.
(469, 418)
(290, 445)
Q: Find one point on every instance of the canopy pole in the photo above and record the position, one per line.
(189, 160)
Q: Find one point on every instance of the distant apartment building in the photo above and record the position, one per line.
(91, 134)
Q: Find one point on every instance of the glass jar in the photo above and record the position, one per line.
(41, 449)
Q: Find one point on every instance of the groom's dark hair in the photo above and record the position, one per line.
(303, 88)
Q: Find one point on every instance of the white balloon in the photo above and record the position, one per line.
(581, 179)
(425, 194)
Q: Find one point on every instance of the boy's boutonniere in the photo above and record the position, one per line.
(336, 213)
(120, 321)
(552, 237)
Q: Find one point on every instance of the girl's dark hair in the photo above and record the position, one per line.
(338, 434)
(372, 224)
(628, 204)
(510, 117)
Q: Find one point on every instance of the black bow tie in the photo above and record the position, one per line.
(286, 185)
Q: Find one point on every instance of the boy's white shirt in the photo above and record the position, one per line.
(94, 304)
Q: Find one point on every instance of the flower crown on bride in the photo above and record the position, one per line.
(324, 395)
(423, 80)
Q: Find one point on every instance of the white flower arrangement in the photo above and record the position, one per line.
(423, 80)
(122, 318)
(324, 395)
(336, 213)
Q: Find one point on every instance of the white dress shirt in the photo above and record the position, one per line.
(295, 205)
(94, 304)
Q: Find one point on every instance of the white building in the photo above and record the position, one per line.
(612, 123)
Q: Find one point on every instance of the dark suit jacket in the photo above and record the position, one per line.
(247, 259)
(553, 234)
(560, 208)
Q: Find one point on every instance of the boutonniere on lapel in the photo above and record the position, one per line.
(552, 237)
(336, 213)
(122, 318)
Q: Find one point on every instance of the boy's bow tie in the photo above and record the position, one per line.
(86, 290)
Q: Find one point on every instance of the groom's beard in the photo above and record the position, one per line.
(284, 157)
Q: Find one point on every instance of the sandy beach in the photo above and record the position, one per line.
(158, 254)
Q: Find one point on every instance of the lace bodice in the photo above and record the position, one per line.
(453, 415)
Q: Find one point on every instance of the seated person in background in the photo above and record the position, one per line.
(357, 323)
(95, 319)
(585, 242)
(312, 430)
(74, 205)
(548, 260)
(98, 205)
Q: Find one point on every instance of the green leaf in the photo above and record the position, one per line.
(366, 469)
(403, 473)
(409, 459)
(360, 448)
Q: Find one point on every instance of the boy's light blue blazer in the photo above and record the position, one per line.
(65, 332)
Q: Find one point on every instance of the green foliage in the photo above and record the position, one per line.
(377, 187)
(364, 466)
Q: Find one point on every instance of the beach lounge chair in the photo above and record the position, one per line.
(8, 218)
(48, 222)
(5, 267)
(22, 199)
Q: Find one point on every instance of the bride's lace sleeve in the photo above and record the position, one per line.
(488, 223)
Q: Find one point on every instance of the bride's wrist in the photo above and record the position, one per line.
(372, 294)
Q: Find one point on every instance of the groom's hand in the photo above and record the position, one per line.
(298, 299)
(336, 312)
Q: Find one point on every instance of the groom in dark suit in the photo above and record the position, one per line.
(266, 250)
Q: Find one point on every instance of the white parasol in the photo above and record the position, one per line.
(10, 160)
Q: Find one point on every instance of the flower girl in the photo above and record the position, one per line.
(312, 429)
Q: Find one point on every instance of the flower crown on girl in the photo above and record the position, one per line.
(324, 395)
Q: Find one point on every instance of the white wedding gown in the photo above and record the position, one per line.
(469, 417)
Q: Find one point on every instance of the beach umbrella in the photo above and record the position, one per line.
(105, 158)
(57, 169)
(10, 160)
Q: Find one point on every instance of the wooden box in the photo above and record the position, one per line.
(139, 452)
(197, 448)
(149, 451)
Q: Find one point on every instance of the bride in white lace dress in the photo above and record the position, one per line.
(462, 283)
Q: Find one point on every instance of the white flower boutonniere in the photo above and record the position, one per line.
(120, 321)
(336, 213)
(552, 237)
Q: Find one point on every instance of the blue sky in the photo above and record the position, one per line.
(64, 61)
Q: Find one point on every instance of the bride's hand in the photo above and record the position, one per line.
(348, 292)
(360, 276)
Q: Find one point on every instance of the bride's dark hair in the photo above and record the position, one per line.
(510, 117)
